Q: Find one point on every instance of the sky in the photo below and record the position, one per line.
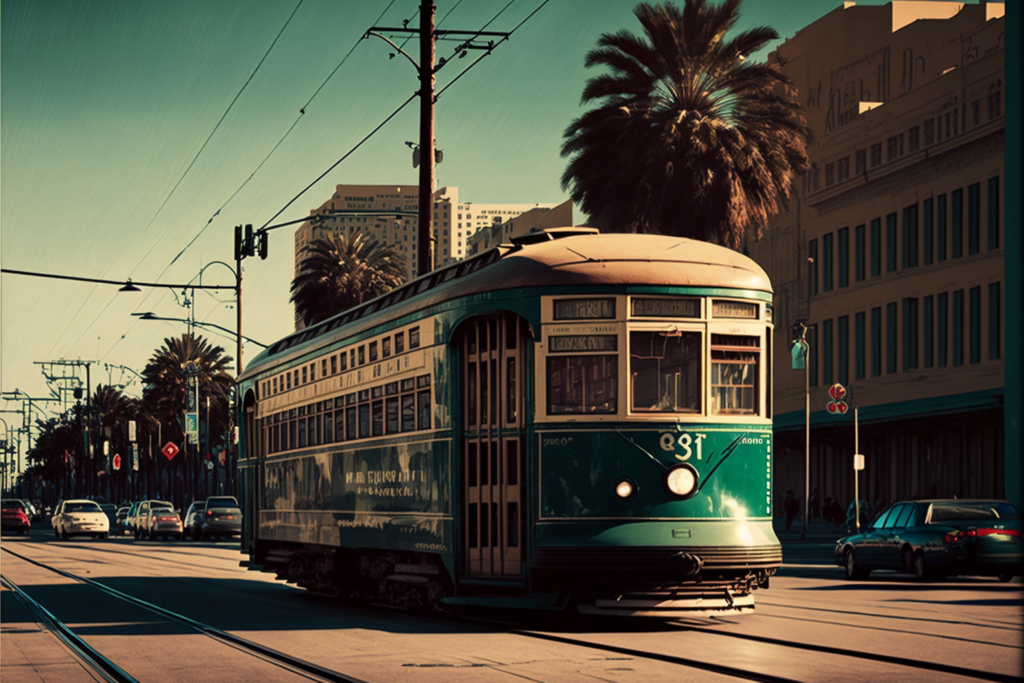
(134, 136)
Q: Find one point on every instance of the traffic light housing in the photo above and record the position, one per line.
(249, 243)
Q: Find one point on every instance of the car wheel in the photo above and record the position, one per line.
(104, 535)
(921, 570)
(908, 560)
(56, 533)
(854, 571)
(64, 534)
(1005, 578)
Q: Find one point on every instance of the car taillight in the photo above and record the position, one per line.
(167, 519)
(209, 512)
(973, 533)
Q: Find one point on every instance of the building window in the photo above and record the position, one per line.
(890, 338)
(894, 147)
(976, 112)
(909, 334)
(844, 257)
(942, 330)
(974, 218)
(929, 231)
(975, 327)
(826, 352)
(890, 243)
(940, 227)
(876, 341)
(860, 161)
(813, 355)
(858, 345)
(995, 103)
(958, 327)
(958, 223)
(994, 319)
(876, 247)
(826, 266)
(812, 266)
(929, 132)
(830, 174)
(914, 140)
(910, 239)
(876, 155)
(858, 251)
(993, 213)
(929, 331)
(843, 169)
(843, 349)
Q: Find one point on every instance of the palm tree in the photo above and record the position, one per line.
(166, 379)
(340, 272)
(687, 137)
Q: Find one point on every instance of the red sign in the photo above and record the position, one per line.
(836, 392)
(170, 450)
(838, 407)
(117, 461)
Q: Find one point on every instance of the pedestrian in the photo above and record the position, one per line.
(790, 507)
(836, 511)
(814, 504)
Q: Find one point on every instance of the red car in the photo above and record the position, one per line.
(15, 516)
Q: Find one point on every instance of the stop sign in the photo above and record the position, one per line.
(837, 391)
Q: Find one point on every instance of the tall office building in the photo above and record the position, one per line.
(365, 209)
(892, 253)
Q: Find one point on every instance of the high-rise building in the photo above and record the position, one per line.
(390, 214)
(891, 254)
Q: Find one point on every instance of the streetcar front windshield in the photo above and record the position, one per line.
(582, 384)
(665, 369)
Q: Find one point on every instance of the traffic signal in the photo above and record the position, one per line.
(261, 238)
(247, 243)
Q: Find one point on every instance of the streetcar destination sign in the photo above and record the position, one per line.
(665, 308)
(584, 309)
(583, 342)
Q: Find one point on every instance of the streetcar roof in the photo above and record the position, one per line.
(559, 257)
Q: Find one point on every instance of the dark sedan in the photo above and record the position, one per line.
(16, 516)
(933, 538)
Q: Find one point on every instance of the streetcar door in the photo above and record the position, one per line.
(493, 353)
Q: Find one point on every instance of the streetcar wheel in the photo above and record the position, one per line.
(1005, 578)
(854, 572)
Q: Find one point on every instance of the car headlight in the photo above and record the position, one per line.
(625, 488)
(681, 481)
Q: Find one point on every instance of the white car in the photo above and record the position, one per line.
(80, 518)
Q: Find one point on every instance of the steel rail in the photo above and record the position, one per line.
(88, 655)
(273, 656)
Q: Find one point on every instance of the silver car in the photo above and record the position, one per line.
(160, 520)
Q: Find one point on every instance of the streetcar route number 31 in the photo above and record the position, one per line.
(690, 443)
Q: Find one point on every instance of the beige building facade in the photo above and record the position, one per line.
(891, 255)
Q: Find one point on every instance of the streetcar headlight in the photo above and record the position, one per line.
(625, 488)
(681, 481)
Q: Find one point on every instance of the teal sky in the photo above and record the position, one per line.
(104, 104)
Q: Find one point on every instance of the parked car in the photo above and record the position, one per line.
(122, 520)
(160, 520)
(194, 519)
(133, 515)
(110, 510)
(941, 537)
(221, 517)
(16, 516)
(79, 517)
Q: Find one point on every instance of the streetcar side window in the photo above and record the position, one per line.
(734, 374)
(583, 384)
(665, 371)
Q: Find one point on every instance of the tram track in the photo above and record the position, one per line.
(315, 672)
(98, 662)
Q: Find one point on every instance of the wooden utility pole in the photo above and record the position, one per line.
(425, 260)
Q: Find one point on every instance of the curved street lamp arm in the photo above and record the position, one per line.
(398, 49)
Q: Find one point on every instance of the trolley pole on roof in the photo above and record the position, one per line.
(425, 257)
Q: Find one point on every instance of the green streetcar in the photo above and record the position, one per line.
(571, 420)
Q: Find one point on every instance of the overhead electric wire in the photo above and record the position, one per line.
(176, 185)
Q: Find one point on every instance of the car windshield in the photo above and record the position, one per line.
(979, 509)
(82, 507)
(8, 504)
